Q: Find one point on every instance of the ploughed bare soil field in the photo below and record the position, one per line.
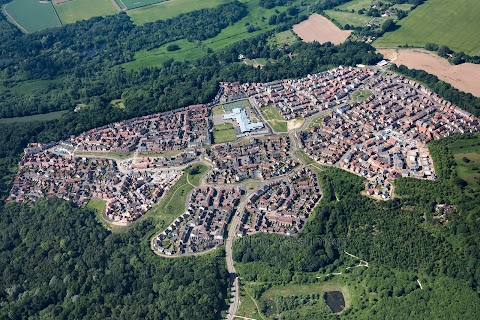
(319, 28)
(465, 76)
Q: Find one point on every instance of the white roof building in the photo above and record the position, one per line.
(240, 115)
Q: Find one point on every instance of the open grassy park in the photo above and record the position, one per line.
(77, 10)
(275, 119)
(32, 15)
(172, 204)
(251, 307)
(441, 22)
(156, 57)
(361, 95)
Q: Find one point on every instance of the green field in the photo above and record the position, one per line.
(132, 4)
(217, 110)
(356, 5)
(353, 19)
(224, 133)
(467, 157)
(284, 37)
(156, 57)
(275, 119)
(236, 104)
(28, 87)
(441, 22)
(77, 10)
(38, 117)
(257, 16)
(170, 9)
(248, 306)
(172, 204)
(316, 122)
(361, 95)
(189, 51)
(118, 103)
(97, 204)
(259, 62)
(31, 15)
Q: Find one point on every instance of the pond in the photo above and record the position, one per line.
(93, 51)
(335, 300)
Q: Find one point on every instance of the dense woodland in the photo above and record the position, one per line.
(58, 262)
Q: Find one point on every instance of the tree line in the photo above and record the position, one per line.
(466, 101)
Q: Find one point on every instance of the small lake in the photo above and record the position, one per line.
(335, 300)
(93, 51)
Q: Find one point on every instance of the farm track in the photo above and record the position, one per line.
(115, 4)
(4, 9)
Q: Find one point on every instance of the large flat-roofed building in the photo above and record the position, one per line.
(240, 115)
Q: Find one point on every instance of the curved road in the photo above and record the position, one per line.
(234, 303)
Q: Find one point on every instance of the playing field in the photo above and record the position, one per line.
(224, 133)
(236, 104)
(444, 22)
(32, 15)
(170, 9)
(77, 10)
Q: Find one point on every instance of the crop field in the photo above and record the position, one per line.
(156, 57)
(440, 22)
(318, 28)
(77, 10)
(31, 15)
(464, 77)
(169, 9)
(132, 4)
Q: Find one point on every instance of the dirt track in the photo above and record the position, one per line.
(465, 77)
(319, 28)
